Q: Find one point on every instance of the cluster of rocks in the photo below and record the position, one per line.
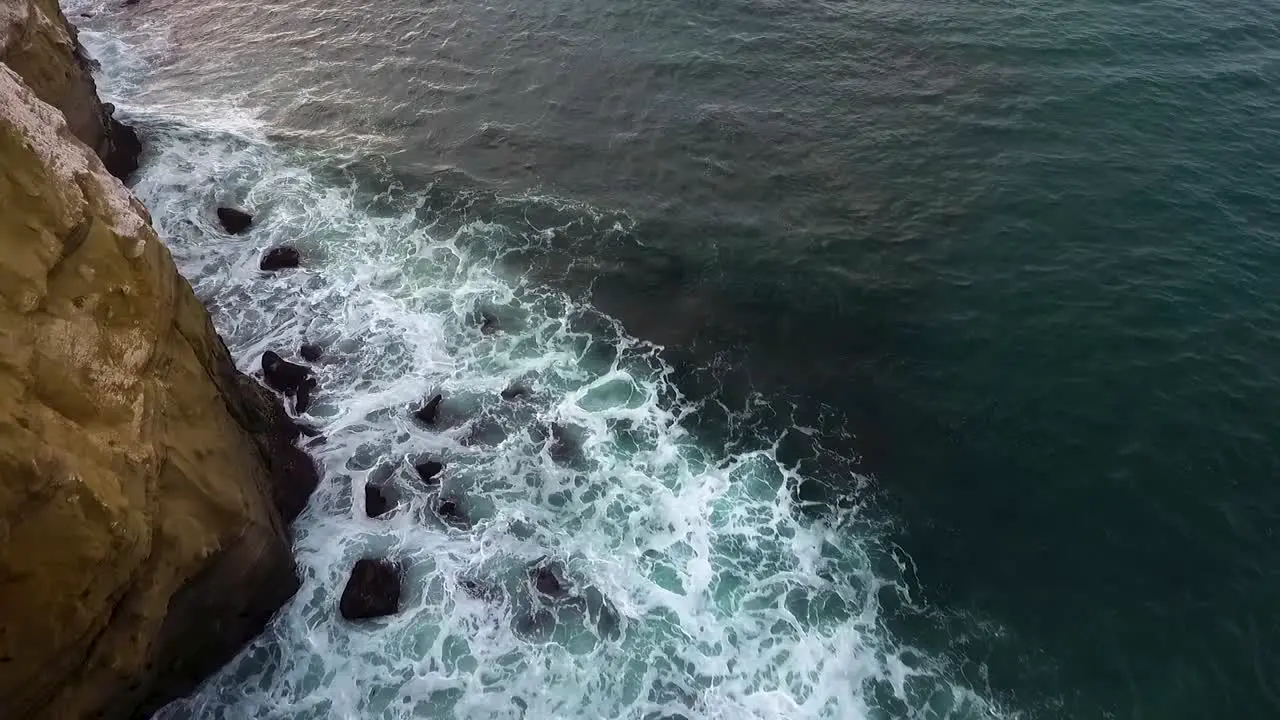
(282, 257)
(374, 585)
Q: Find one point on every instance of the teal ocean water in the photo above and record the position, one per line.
(922, 358)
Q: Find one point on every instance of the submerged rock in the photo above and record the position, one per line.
(562, 443)
(376, 502)
(372, 591)
(428, 470)
(535, 624)
(480, 590)
(428, 413)
(280, 258)
(234, 221)
(449, 511)
(545, 576)
(310, 352)
(603, 614)
(515, 391)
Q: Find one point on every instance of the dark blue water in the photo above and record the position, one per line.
(999, 275)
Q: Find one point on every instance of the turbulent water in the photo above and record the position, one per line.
(885, 360)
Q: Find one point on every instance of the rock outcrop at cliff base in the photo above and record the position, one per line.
(145, 484)
(38, 44)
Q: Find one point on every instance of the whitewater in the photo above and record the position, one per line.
(705, 591)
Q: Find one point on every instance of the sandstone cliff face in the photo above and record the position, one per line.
(38, 43)
(145, 484)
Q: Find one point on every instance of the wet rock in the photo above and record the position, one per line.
(288, 378)
(307, 430)
(282, 375)
(428, 470)
(372, 591)
(234, 221)
(280, 258)
(429, 412)
(124, 147)
(451, 512)
(376, 502)
(310, 352)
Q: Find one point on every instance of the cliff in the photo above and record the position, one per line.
(145, 484)
(38, 43)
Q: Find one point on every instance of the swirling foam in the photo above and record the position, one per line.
(726, 603)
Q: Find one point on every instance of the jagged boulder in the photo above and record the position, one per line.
(372, 590)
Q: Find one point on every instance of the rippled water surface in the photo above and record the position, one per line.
(887, 359)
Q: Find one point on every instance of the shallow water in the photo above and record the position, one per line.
(919, 358)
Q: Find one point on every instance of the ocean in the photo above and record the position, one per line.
(915, 359)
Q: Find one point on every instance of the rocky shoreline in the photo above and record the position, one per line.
(146, 485)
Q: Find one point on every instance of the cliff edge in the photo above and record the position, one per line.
(145, 484)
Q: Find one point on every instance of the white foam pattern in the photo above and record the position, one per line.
(704, 593)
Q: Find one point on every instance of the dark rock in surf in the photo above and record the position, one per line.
(310, 352)
(515, 391)
(280, 258)
(429, 412)
(123, 147)
(288, 378)
(282, 375)
(449, 511)
(376, 502)
(234, 221)
(372, 591)
(428, 470)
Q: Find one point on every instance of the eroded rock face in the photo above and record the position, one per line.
(38, 43)
(145, 484)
